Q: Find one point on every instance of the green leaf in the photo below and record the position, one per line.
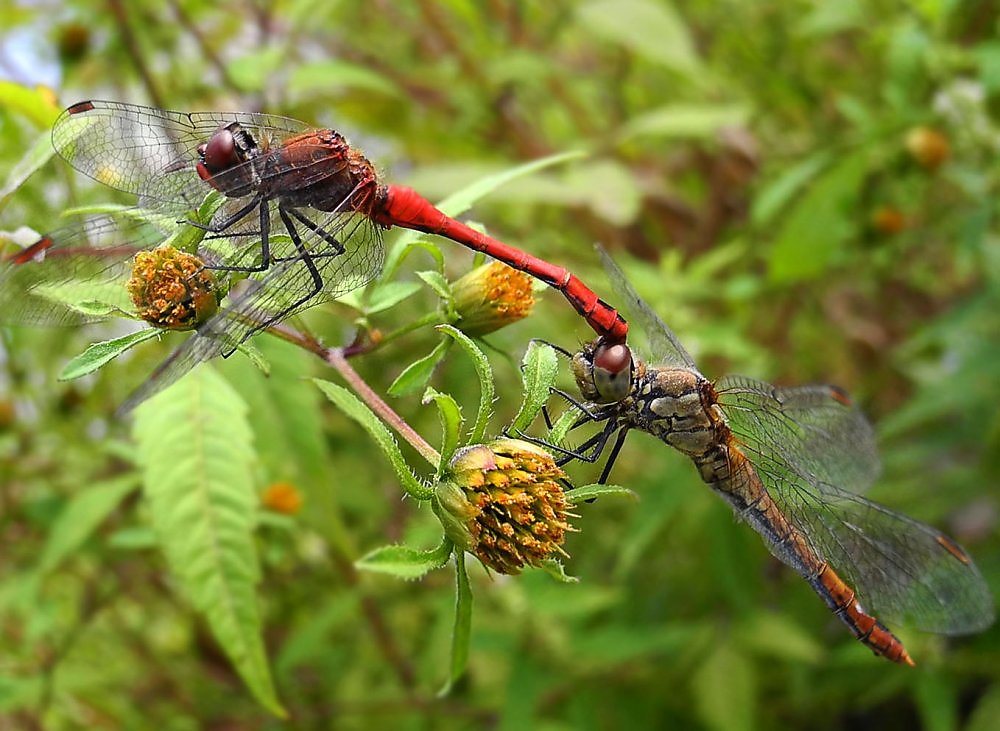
(321, 76)
(450, 416)
(937, 702)
(416, 375)
(686, 121)
(80, 517)
(37, 103)
(438, 283)
(557, 434)
(461, 201)
(821, 223)
(388, 294)
(727, 674)
(539, 369)
(354, 408)
(557, 571)
(36, 156)
(253, 353)
(99, 354)
(779, 636)
(653, 30)
(196, 452)
(595, 490)
(485, 373)
(405, 562)
(462, 632)
(776, 194)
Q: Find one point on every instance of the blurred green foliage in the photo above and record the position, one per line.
(806, 191)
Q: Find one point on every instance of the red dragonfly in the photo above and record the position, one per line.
(790, 462)
(297, 212)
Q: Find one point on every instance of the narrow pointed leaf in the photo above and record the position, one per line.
(81, 516)
(405, 562)
(462, 632)
(450, 416)
(538, 373)
(354, 408)
(485, 373)
(99, 354)
(416, 375)
(589, 492)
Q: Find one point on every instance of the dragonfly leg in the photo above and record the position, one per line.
(335, 244)
(265, 225)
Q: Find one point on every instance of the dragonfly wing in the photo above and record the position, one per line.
(152, 152)
(75, 274)
(901, 569)
(665, 346)
(287, 287)
(818, 429)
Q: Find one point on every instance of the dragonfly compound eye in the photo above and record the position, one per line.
(612, 371)
(220, 152)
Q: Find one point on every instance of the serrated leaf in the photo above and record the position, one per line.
(557, 571)
(355, 409)
(485, 373)
(595, 490)
(416, 375)
(389, 294)
(462, 631)
(437, 282)
(557, 434)
(196, 453)
(405, 562)
(99, 354)
(450, 416)
(253, 353)
(539, 369)
(80, 517)
(653, 30)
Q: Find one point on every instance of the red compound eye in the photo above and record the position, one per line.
(612, 358)
(220, 152)
(612, 372)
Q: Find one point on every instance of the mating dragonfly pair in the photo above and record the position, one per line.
(298, 216)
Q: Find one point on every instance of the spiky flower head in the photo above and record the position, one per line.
(490, 297)
(504, 503)
(171, 289)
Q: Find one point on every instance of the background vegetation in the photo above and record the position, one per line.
(806, 191)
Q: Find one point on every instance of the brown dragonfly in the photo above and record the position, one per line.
(791, 462)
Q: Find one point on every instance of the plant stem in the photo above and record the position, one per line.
(335, 358)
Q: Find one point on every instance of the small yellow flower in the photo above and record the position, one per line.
(490, 297)
(929, 147)
(504, 503)
(282, 497)
(171, 289)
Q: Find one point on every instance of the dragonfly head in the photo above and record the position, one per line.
(603, 371)
(228, 147)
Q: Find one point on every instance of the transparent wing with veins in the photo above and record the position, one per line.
(665, 346)
(800, 444)
(152, 153)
